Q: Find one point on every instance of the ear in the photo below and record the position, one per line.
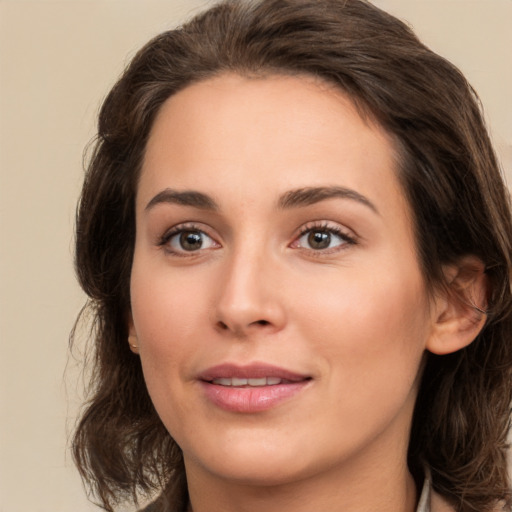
(459, 308)
(133, 341)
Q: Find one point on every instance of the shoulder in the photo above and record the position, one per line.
(439, 504)
(149, 508)
(152, 507)
(161, 505)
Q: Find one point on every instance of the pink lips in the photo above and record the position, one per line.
(252, 388)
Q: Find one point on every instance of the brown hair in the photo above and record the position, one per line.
(449, 173)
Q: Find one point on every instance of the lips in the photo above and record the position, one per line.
(253, 371)
(250, 389)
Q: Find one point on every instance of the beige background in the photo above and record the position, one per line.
(57, 61)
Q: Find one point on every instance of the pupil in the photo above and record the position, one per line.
(319, 239)
(191, 240)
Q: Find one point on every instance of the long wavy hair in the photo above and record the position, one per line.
(450, 176)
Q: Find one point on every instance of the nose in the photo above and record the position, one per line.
(250, 298)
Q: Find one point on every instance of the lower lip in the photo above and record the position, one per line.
(251, 399)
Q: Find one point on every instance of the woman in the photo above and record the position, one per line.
(296, 242)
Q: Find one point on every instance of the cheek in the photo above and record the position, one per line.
(166, 318)
(167, 315)
(370, 332)
(166, 305)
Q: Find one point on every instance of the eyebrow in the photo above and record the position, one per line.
(292, 199)
(311, 195)
(185, 198)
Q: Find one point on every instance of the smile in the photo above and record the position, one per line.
(254, 382)
(251, 389)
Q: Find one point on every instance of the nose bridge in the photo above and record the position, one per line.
(248, 297)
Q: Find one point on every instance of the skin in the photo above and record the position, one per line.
(354, 317)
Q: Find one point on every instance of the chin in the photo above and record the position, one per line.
(258, 463)
(258, 473)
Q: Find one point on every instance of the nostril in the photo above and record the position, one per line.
(241, 329)
(223, 326)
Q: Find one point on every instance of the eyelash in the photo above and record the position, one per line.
(323, 227)
(177, 230)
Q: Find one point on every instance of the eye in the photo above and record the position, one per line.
(322, 238)
(183, 240)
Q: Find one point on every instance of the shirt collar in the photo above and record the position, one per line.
(424, 503)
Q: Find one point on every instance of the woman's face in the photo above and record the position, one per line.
(279, 306)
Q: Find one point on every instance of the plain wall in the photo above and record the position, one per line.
(57, 61)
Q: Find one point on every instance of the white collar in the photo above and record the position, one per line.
(424, 503)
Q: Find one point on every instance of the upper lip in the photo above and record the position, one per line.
(251, 371)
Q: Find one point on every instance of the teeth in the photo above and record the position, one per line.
(257, 382)
(223, 382)
(235, 381)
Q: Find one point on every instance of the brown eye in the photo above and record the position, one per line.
(191, 240)
(323, 239)
(188, 240)
(319, 240)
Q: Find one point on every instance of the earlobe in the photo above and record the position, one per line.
(460, 307)
(133, 341)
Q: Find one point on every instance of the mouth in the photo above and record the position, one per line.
(250, 389)
(255, 382)
(255, 374)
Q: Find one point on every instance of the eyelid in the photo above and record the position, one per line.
(164, 239)
(349, 237)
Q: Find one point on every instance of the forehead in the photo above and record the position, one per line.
(266, 134)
